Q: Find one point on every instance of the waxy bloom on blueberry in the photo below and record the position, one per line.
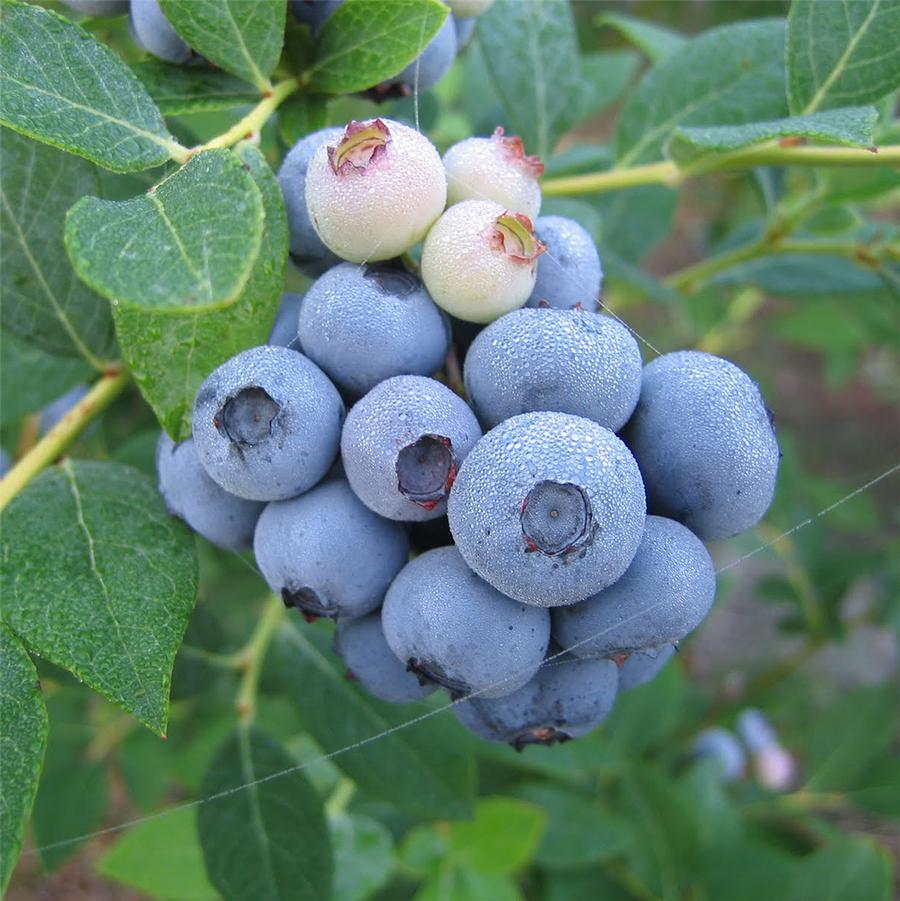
(375, 192)
(494, 168)
(479, 260)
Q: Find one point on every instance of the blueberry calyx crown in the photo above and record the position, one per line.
(556, 519)
(392, 279)
(513, 234)
(246, 418)
(514, 150)
(426, 470)
(309, 602)
(361, 145)
(540, 735)
(431, 673)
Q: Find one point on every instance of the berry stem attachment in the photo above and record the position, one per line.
(253, 122)
(52, 446)
(251, 658)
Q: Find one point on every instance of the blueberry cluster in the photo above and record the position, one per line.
(539, 586)
(152, 32)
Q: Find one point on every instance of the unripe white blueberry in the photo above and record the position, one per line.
(479, 260)
(376, 192)
(494, 168)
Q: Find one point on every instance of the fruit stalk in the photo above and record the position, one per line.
(252, 657)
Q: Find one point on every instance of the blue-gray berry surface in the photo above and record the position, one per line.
(328, 555)
(756, 731)
(284, 328)
(549, 508)
(364, 324)
(190, 494)
(267, 423)
(403, 444)
(643, 666)
(5, 462)
(569, 271)
(433, 63)
(705, 442)
(565, 361)
(566, 698)
(452, 628)
(152, 32)
(308, 252)
(719, 746)
(361, 644)
(663, 596)
(465, 29)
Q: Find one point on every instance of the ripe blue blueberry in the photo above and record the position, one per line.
(267, 423)
(566, 698)
(361, 644)
(569, 272)
(643, 666)
(284, 328)
(721, 747)
(452, 628)
(465, 29)
(308, 252)
(314, 13)
(5, 462)
(403, 443)
(152, 32)
(561, 360)
(55, 410)
(190, 494)
(364, 324)
(433, 63)
(328, 555)
(664, 595)
(756, 731)
(548, 508)
(98, 7)
(705, 443)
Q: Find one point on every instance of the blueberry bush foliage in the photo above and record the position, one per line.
(737, 166)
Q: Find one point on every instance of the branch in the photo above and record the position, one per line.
(252, 657)
(55, 442)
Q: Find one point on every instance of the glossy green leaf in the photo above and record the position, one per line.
(604, 79)
(842, 53)
(99, 579)
(636, 220)
(425, 768)
(365, 42)
(854, 126)
(241, 37)
(205, 221)
(363, 856)
(579, 831)
(162, 858)
(740, 869)
(728, 75)
(145, 763)
(171, 353)
(60, 86)
(23, 741)
(269, 839)
(192, 89)
(44, 302)
(846, 869)
(452, 883)
(32, 378)
(487, 844)
(531, 51)
(654, 40)
(301, 114)
(581, 883)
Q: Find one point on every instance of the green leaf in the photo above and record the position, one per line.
(655, 41)
(853, 125)
(488, 844)
(145, 763)
(739, 869)
(162, 858)
(43, 300)
(32, 378)
(205, 221)
(842, 54)
(363, 856)
(365, 42)
(579, 832)
(23, 741)
(581, 883)
(728, 75)
(634, 221)
(60, 86)
(425, 769)
(100, 580)
(170, 354)
(846, 869)
(531, 51)
(452, 883)
(192, 89)
(300, 114)
(242, 38)
(604, 78)
(268, 839)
